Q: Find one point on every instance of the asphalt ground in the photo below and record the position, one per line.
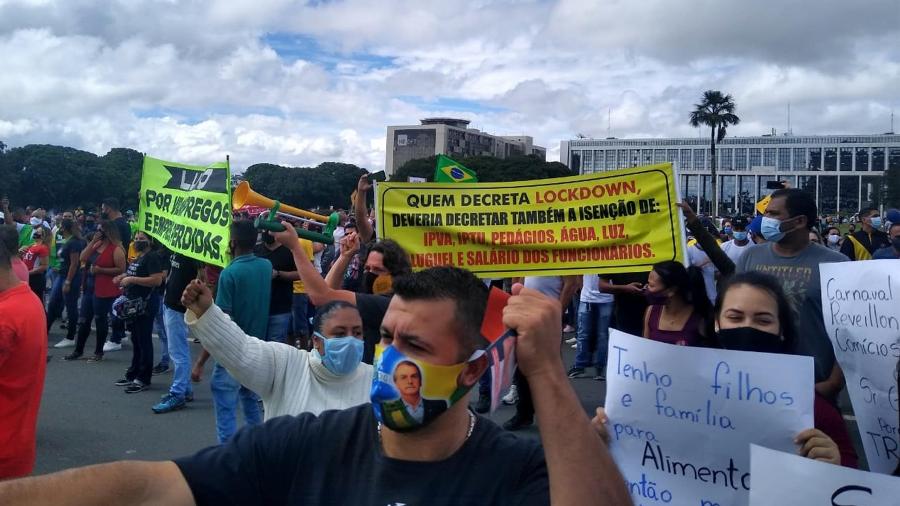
(85, 419)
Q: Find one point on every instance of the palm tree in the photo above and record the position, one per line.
(717, 112)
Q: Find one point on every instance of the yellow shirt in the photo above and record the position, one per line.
(308, 248)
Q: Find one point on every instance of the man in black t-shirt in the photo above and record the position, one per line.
(354, 457)
(182, 271)
(284, 273)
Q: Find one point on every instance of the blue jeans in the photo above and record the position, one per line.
(300, 315)
(593, 334)
(279, 325)
(226, 392)
(179, 351)
(70, 300)
(159, 326)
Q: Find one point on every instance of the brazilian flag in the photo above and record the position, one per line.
(448, 171)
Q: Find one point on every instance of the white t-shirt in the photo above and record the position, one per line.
(551, 286)
(734, 251)
(590, 291)
(699, 259)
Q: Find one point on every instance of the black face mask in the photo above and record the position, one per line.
(268, 239)
(141, 245)
(105, 216)
(750, 339)
(369, 281)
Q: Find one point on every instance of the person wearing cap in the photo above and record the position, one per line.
(755, 229)
(740, 239)
(861, 244)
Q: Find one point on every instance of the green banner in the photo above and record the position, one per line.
(187, 208)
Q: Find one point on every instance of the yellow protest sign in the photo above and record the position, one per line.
(763, 204)
(616, 221)
(187, 208)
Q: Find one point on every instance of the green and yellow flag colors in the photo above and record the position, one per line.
(187, 208)
(449, 171)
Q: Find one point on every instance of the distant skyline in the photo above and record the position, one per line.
(297, 83)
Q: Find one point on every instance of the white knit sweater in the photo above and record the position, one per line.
(290, 381)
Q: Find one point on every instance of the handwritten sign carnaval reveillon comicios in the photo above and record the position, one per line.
(782, 479)
(681, 419)
(861, 307)
(187, 208)
(615, 221)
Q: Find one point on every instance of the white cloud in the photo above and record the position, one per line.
(193, 81)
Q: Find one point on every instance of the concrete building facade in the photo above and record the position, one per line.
(845, 172)
(454, 138)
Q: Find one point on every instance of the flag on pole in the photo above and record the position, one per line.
(501, 350)
(449, 171)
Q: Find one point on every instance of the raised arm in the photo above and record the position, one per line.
(349, 248)
(707, 241)
(360, 212)
(254, 363)
(579, 466)
(124, 483)
(319, 292)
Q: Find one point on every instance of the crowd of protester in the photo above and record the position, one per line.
(303, 329)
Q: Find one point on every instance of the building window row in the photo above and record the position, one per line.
(828, 159)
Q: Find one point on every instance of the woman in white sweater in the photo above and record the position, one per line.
(290, 381)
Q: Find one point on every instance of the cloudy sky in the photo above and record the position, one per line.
(300, 83)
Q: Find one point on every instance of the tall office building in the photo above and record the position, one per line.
(454, 138)
(845, 172)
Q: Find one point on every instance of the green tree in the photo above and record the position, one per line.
(716, 111)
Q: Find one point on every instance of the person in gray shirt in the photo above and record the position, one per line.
(789, 255)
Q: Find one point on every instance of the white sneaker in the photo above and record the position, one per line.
(111, 346)
(512, 396)
(571, 340)
(65, 343)
(568, 328)
(574, 346)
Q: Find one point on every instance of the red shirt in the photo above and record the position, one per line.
(20, 269)
(23, 359)
(34, 252)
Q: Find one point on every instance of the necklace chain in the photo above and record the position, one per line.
(472, 420)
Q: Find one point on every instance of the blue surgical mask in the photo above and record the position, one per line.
(875, 221)
(727, 230)
(740, 236)
(342, 354)
(771, 229)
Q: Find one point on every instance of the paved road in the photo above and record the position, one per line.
(85, 419)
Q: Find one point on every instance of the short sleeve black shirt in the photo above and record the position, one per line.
(371, 309)
(336, 459)
(282, 289)
(124, 231)
(144, 266)
(183, 270)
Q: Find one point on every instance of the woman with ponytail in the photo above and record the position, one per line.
(679, 310)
